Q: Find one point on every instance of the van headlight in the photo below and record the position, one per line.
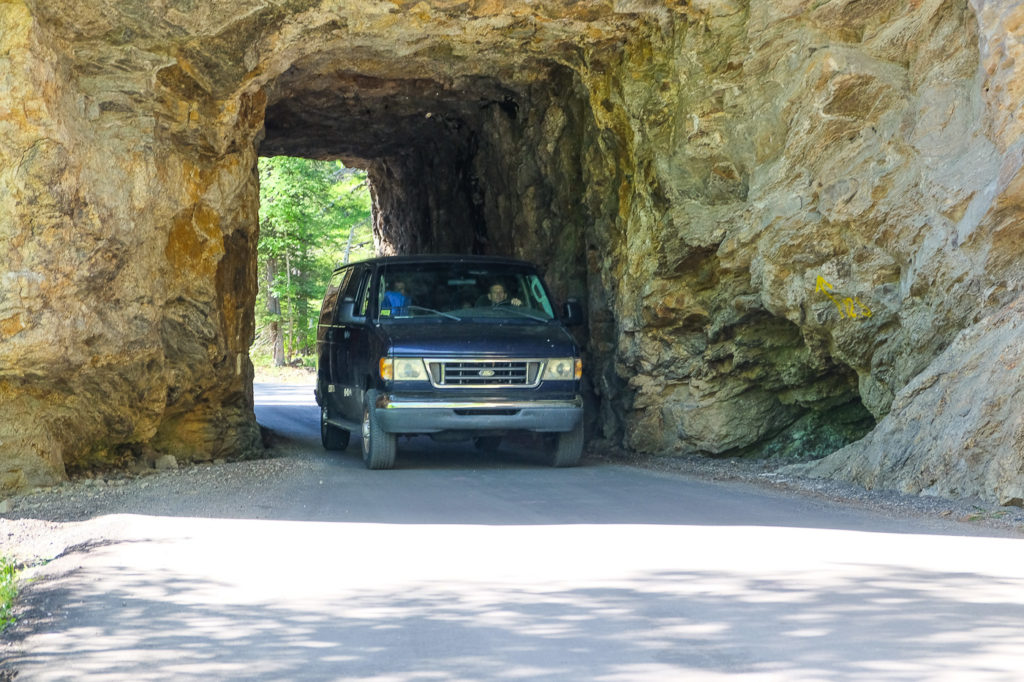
(403, 369)
(563, 369)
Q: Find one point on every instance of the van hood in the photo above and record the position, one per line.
(480, 340)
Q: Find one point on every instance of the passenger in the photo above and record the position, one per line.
(396, 301)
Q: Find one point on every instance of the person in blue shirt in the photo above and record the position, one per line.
(396, 300)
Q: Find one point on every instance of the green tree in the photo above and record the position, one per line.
(313, 216)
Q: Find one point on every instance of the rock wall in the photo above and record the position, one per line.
(780, 215)
(128, 264)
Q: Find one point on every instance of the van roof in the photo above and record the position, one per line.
(440, 258)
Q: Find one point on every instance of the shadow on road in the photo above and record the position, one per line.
(457, 565)
(892, 624)
(452, 483)
(455, 483)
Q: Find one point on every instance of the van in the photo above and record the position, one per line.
(454, 347)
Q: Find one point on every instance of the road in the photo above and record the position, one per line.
(456, 566)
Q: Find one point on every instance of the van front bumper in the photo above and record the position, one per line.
(426, 416)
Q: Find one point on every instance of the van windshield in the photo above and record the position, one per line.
(464, 291)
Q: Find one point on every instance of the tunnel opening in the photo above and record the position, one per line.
(468, 165)
(471, 163)
(417, 138)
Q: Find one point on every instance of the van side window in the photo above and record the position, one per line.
(331, 295)
(348, 288)
(360, 288)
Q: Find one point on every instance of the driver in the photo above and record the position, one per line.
(498, 296)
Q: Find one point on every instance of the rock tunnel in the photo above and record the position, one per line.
(793, 227)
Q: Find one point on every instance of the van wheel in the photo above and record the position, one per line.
(378, 446)
(487, 443)
(332, 437)
(567, 447)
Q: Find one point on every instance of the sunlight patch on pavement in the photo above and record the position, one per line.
(605, 602)
(562, 555)
(283, 394)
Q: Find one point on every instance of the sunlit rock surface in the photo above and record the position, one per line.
(779, 214)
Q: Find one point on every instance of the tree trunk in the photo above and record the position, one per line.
(291, 313)
(274, 308)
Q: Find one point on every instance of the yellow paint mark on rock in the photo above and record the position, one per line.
(849, 307)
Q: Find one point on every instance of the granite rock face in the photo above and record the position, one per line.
(779, 214)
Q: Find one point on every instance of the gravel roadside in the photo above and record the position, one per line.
(766, 473)
(42, 524)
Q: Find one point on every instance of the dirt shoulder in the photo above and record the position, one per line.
(766, 474)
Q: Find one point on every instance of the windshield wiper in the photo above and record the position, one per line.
(436, 312)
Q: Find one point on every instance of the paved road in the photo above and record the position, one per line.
(457, 567)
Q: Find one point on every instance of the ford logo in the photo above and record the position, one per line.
(487, 372)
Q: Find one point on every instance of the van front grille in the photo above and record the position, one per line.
(484, 373)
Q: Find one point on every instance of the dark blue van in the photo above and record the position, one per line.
(456, 347)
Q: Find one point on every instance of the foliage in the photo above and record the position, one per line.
(8, 591)
(314, 215)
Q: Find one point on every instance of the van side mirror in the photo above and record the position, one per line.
(346, 313)
(572, 313)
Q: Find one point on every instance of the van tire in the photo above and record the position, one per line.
(332, 437)
(568, 447)
(378, 446)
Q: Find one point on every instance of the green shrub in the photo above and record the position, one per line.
(8, 591)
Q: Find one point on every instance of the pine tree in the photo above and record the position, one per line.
(312, 214)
